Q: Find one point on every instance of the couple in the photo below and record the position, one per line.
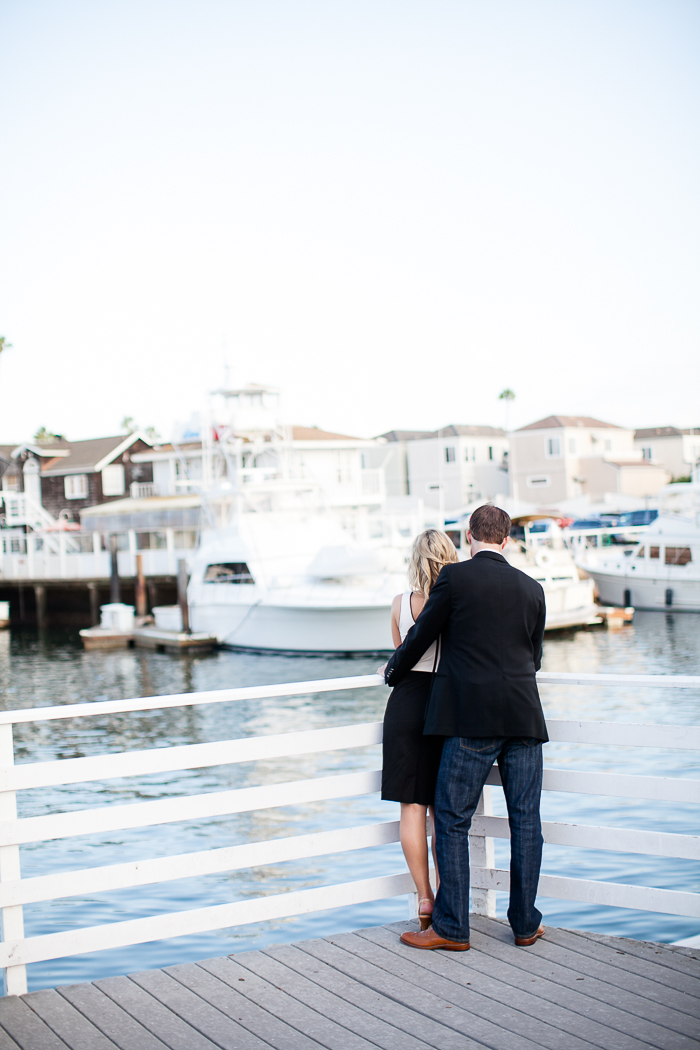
(469, 640)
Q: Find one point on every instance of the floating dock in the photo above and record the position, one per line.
(569, 991)
(172, 641)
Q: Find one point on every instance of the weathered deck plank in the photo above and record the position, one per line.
(270, 998)
(501, 983)
(613, 1005)
(192, 1008)
(380, 1012)
(441, 978)
(66, 1022)
(338, 952)
(155, 1018)
(668, 955)
(112, 1021)
(363, 990)
(373, 1030)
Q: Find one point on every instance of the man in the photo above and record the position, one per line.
(490, 619)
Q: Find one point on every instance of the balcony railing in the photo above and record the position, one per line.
(17, 950)
(83, 555)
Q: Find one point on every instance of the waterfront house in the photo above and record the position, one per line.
(565, 457)
(59, 478)
(458, 462)
(675, 449)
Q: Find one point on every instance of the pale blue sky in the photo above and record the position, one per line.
(389, 208)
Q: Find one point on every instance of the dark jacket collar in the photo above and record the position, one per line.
(489, 554)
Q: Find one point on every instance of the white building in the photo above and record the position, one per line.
(453, 466)
(676, 450)
(565, 457)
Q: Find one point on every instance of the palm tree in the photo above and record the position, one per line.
(508, 396)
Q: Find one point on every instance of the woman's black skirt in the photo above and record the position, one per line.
(411, 760)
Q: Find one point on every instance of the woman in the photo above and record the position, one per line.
(411, 760)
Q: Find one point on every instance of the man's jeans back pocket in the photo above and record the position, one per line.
(477, 744)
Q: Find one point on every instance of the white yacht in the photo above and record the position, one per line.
(294, 582)
(543, 555)
(661, 572)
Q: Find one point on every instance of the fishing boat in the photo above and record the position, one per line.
(296, 583)
(660, 572)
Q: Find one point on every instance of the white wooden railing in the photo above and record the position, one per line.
(80, 556)
(17, 950)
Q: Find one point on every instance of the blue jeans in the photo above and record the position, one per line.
(465, 765)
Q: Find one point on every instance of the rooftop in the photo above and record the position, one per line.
(662, 432)
(83, 456)
(459, 430)
(315, 434)
(569, 421)
(405, 435)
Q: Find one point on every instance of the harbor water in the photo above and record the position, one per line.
(51, 668)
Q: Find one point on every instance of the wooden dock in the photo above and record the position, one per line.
(569, 991)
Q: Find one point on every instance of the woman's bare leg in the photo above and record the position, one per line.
(414, 842)
(431, 832)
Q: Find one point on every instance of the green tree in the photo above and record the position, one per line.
(507, 396)
(43, 434)
(131, 426)
(4, 345)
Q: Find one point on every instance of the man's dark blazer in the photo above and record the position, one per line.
(490, 618)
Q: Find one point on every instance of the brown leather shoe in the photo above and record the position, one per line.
(430, 940)
(522, 942)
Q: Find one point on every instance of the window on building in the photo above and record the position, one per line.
(113, 482)
(228, 572)
(553, 446)
(537, 481)
(450, 454)
(646, 453)
(608, 445)
(572, 446)
(640, 552)
(490, 451)
(653, 552)
(474, 454)
(678, 555)
(75, 486)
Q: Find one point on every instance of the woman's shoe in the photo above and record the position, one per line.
(425, 912)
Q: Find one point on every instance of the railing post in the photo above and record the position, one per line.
(63, 564)
(132, 550)
(170, 547)
(97, 550)
(31, 549)
(12, 918)
(482, 855)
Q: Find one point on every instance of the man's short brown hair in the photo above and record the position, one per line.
(489, 524)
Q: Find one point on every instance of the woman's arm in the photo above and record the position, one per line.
(395, 614)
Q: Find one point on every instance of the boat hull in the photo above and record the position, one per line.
(297, 629)
(647, 593)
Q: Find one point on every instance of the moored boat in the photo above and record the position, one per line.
(661, 572)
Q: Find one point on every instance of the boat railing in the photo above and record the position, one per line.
(18, 949)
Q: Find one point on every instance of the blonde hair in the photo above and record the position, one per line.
(431, 551)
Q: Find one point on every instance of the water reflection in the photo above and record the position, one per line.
(53, 669)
